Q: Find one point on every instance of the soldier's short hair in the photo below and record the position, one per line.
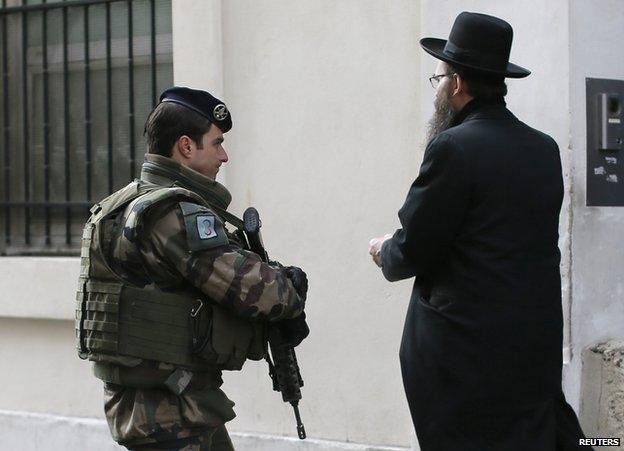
(167, 122)
(480, 85)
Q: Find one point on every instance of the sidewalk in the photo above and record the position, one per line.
(25, 431)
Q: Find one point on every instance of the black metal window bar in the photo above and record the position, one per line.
(79, 78)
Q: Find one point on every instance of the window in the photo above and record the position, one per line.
(79, 78)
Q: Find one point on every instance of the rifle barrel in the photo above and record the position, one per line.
(300, 427)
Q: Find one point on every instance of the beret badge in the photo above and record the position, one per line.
(220, 112)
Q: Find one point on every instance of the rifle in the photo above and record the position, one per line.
(283, 367)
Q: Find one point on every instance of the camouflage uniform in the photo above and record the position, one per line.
(189, 410)
(215, 439)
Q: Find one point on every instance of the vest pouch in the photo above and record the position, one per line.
(97, 316)
(235, 339)
(155, 325)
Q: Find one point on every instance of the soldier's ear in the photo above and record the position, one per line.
(183, 146)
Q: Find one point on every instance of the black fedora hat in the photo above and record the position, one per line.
(477, 42)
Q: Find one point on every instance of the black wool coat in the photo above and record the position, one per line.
(481, 350)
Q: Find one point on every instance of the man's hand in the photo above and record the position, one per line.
(374, 247)
(299, 280)
(292, 332)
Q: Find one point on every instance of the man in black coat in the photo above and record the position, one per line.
(481, 350)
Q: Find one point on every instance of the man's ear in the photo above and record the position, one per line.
(460, 85)
(183, 146)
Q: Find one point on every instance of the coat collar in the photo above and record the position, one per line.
(480, 109)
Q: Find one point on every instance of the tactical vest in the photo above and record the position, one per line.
(118, 322)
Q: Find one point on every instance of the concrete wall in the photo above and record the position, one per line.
(198, 56)
(597, 257)
(602, 406)
(42, 371)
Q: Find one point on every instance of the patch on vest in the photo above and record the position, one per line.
(204, 230)
(205, 227)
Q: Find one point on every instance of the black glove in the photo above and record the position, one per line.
(298, 279)
(290, 332)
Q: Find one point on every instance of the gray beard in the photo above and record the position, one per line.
(442, 117)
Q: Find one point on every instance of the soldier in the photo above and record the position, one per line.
(168, 296)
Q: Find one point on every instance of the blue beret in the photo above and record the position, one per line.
(201, 102)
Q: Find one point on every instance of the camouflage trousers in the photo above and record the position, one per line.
(156, 418)
(217, 439)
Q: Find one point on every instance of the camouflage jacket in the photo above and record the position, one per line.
(174, 256)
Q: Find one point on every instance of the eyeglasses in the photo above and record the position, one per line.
(435, 79)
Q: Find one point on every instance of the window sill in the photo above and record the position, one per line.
(38, 287)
